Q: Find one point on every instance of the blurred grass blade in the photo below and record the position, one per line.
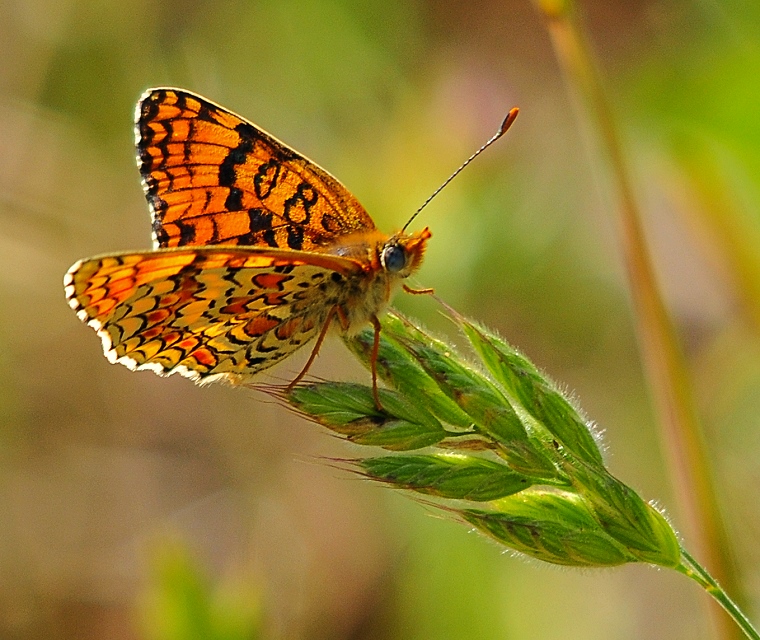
(183, 604)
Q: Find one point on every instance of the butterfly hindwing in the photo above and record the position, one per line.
(211, 177)
(206, 313)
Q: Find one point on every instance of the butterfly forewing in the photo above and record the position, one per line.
(204, 313)
(211, 177)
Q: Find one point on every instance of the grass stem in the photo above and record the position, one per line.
(692, 569)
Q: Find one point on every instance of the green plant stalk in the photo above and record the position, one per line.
(507, 453)
(664, 360)
(692, 569)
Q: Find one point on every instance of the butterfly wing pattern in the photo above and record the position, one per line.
(212, 177)
(257, 251)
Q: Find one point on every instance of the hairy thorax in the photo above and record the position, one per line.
(363, 298)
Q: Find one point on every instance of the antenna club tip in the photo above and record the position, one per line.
(504, 126)
(511, 117)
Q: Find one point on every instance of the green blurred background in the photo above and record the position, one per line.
(135, 507)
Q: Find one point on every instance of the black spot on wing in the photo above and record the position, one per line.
(236, 156)
(247, 131)
(283, 268)
(204, 113)
(186, 232)
(234, 201)
(270, 238)
(330, 224)
(181, 100)
(266, 178)
(297, 208)
(259, 219)
(295, 237)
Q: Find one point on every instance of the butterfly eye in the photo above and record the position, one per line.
(393, 258)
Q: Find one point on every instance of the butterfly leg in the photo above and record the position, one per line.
(315, 350)
(373, 360)
(417, 292)
(375, 350)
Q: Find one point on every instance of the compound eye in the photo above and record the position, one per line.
(394, 258)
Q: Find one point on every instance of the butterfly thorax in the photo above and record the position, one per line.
(386, 261)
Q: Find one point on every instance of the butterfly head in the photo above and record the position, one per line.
(402, 254)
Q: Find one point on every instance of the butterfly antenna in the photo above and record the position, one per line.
(502, 130)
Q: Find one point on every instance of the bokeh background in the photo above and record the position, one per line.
(135, 507)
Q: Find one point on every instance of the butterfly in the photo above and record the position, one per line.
(257, 251)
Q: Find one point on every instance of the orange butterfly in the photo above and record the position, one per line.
(257, 251)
